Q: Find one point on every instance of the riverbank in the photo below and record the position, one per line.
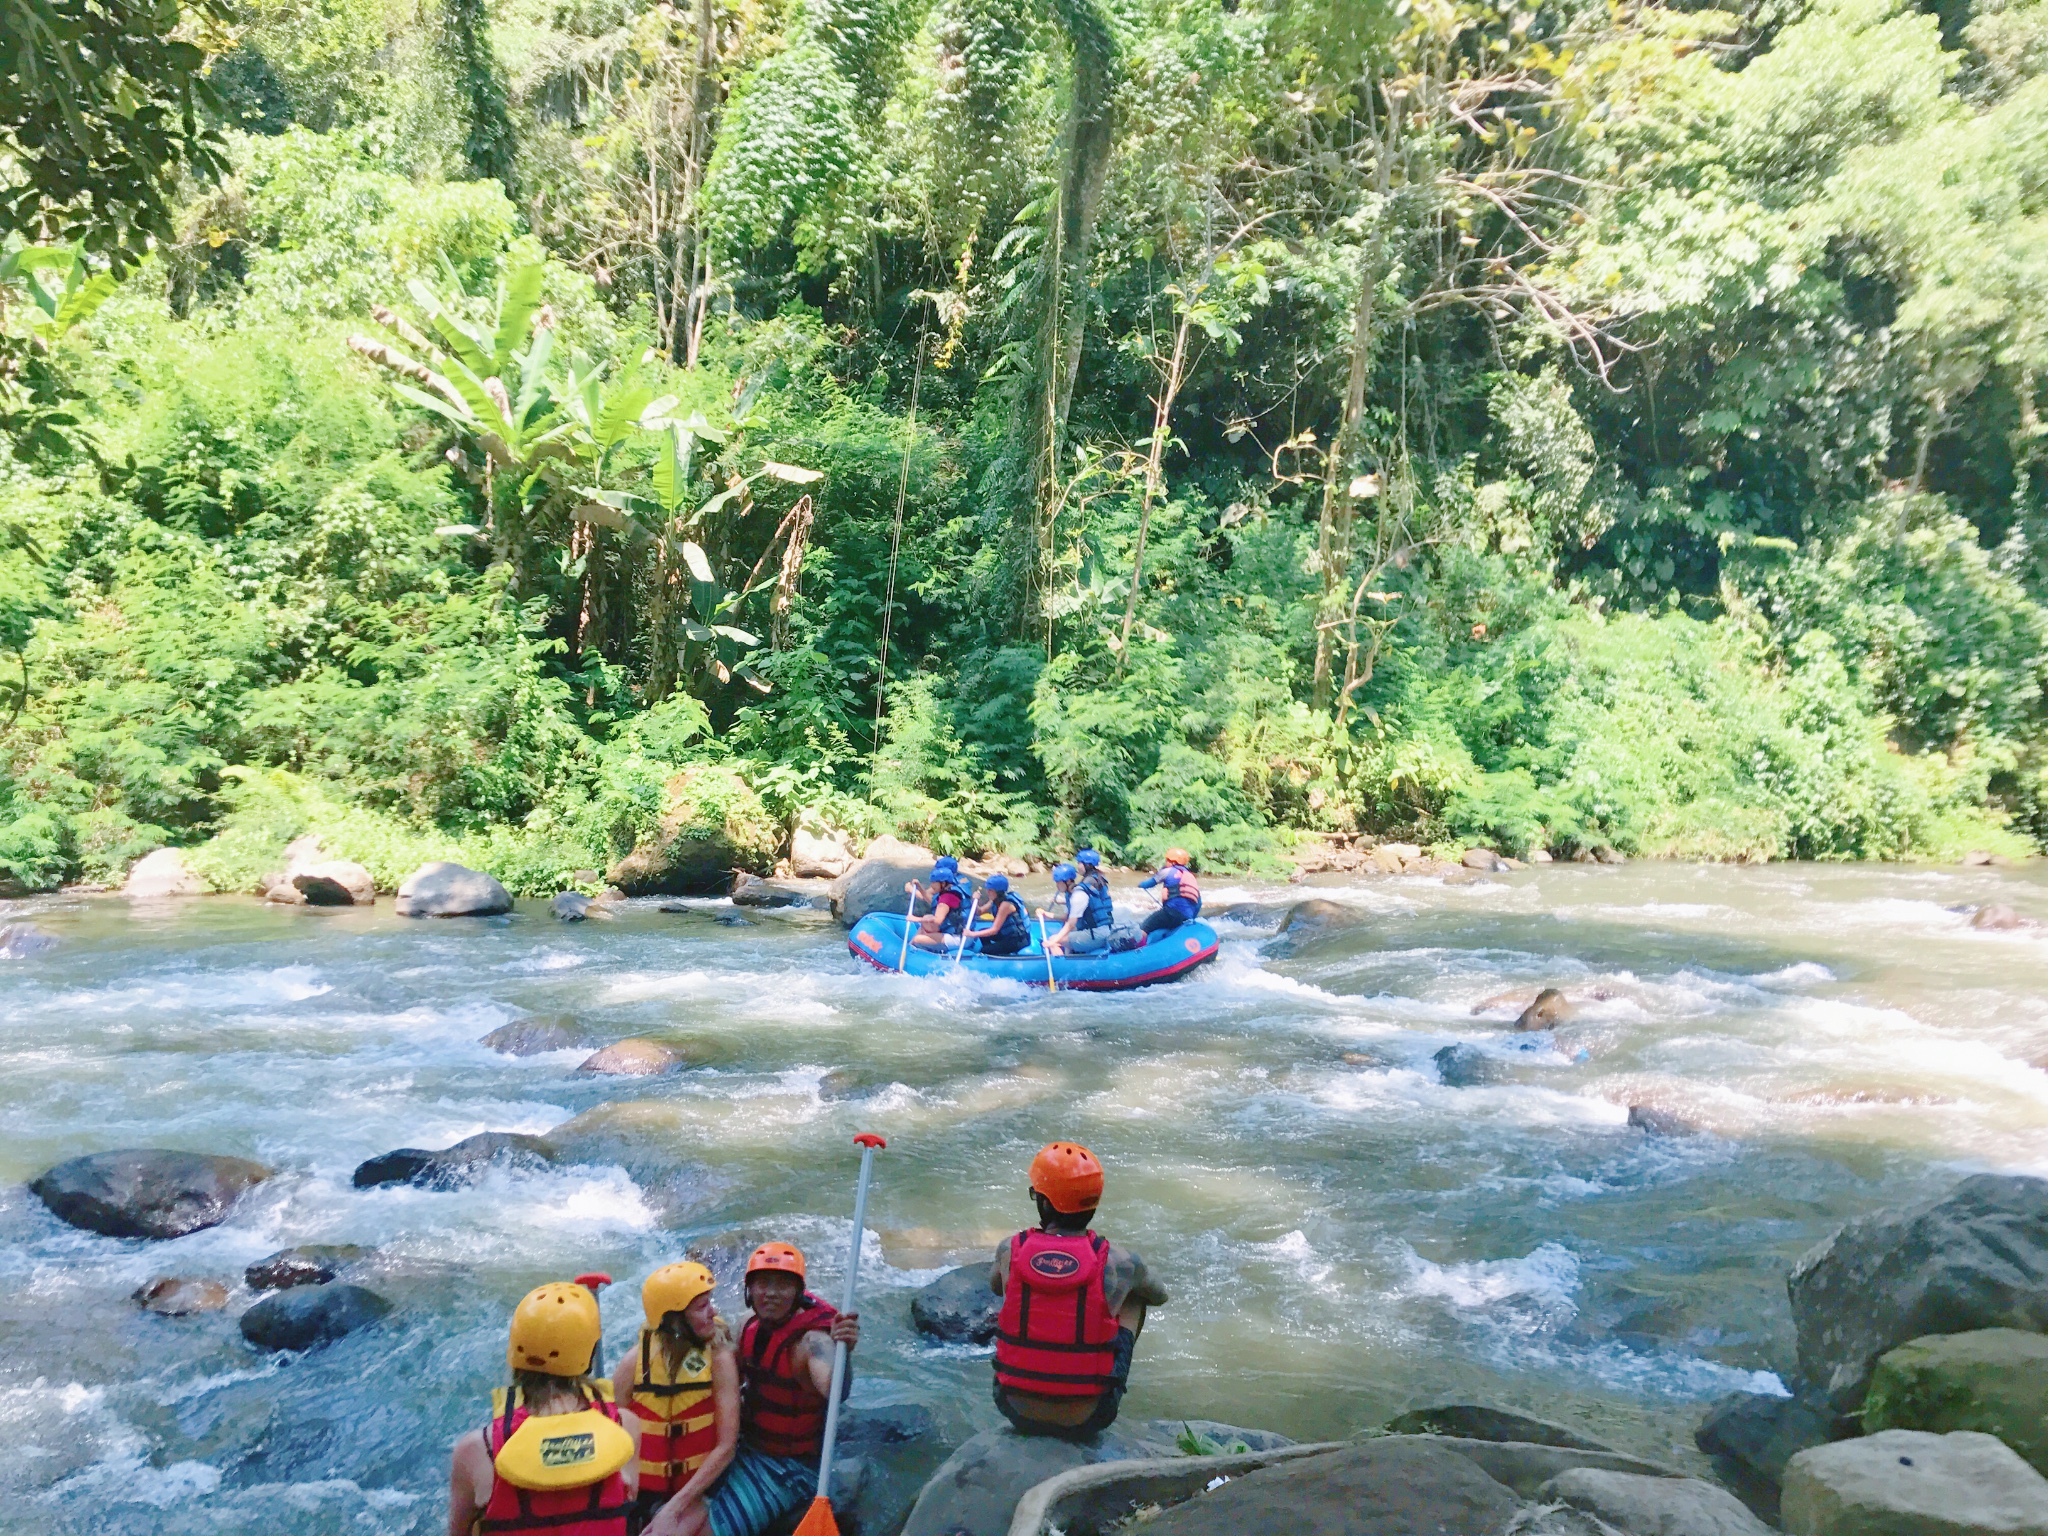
(1347, 1234)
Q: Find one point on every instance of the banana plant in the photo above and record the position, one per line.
(50, 314)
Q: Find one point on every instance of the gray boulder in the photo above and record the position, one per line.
(147, 1192)
(335, 883)
(1465, 1066)
(1526, 1468)
(752, 891)
(1902, 1482)
(1751, 1437)
(1315, 917)
(886, 1424)
(1396, 1486)
(1652, 1121)
(1998, 918)
(161, 875)
(575, 907)
(1975, 1258)
(958, 1307)
(711, 824)
(308, 1264)
(453, 1167)
(530, 1037)
(19, 941)
(310, 1315)
(1103, 1498)
(1472, 1421)
(876, 883)
(633, 1058)
(443, 889)
(1654, 1506)
(1485, 860)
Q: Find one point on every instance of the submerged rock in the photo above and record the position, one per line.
(307, 1264)
(958, 1307)
(1976, 1258)
(574, 907)
(1993, 1380)
(181, 1296)
(1751, 1437)
(1659, 1122)
(1653, 1506)
(18, 941)
(1314, 917)
(1550, 1009)
(876, 883)
(1901, 1482)
(752, 891)
(888, 1424)
(1998, 918)
(310, 1315)
(633, 1058)
(146, 1191)
(712, 824)
(443, 889)
(1484, 860)
(1389, 1487)
(163, 874)
(1472, 1421)
(1465, 1066)
(530, 1037)
(453, 1167)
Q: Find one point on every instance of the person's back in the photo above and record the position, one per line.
(1074, 1304)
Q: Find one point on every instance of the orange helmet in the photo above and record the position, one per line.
(1179, 856)
(783, 1257)
(1068, 1176)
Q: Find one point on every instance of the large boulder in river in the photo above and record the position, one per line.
(453, 1167)
(711, 824)
(1975, 1258)
(1390, 1487)
(1994, 1380)
(442, 889)
(18, 941)
(163, 874)
(876, 883)
(958, 1307)
(310, 1315)
(1901, 1482)
(147, 1191)
(307, 1264)
(1315, 917)
(633, 1058)
(1653, 1506)
(530, 1037)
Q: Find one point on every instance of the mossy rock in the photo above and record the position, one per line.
(1994, 1380)
(711, 824)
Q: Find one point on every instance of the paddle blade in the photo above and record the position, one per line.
(818, 1519)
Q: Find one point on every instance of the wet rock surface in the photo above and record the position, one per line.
(1993, 1380)
(21, 941)
(147, 1192)
(1751, 1437)
(1975, 1258)
(531, 1037)
(1653, 1121)
(1389, 1487)
(307, 1264)
(450, 890)
(876, 883)
(574, 907)
(1315, 917)
(958, 1307)
(634, 1058)
(1473, 1421)
(1653, 1506)
(181, 1296)
(1465, 1066)
(308, 1316)
(453, 1167)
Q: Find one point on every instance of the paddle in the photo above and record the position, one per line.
(973, 911)
(818, 1519)
(909, 922)
(1051, 981)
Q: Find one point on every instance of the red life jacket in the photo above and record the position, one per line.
(678, 1425)
(782, 1414)
(597, 1509)
(1056, 1335)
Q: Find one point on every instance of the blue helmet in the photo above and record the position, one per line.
(1065, 874)
(946, 868)
(1088, 858)
(997, 883)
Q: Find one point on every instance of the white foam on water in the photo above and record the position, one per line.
(1295, 1252)
(1548, 1275)
(199, 990)
(1804, 973)
(545, 963)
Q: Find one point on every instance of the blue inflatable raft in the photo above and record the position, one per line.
(878, 939)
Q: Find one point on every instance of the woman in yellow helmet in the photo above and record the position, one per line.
(681, 1384)
(553, 1460)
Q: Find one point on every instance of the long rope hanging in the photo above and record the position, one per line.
(895, 542)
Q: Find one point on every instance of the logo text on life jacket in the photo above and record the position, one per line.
(1054, 1266)
(567, 1450)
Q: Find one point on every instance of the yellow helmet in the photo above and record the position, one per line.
(555, 1329)
(673, 1287)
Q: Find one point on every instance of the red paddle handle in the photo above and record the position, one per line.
(869, 1139)
(593, 1280)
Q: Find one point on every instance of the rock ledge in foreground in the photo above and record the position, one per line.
(1901, 1482)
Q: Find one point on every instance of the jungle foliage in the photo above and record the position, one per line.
(1021, 422)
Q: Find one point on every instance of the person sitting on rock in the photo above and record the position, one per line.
(940, 928)
(1182, 902)
(554, 1457)
(1073, 1306)
(785, 1362)
(681, 1385)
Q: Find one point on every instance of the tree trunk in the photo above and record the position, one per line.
(1162, 418)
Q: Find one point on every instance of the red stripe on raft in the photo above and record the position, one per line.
(1117, 984)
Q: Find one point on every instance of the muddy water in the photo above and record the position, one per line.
(1345, 1236)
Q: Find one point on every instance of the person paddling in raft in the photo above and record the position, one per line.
(1182, 902)
(950, 897)
(1008, 929)
(681, 1389)
(1073, 1306)
(785, 1361)
(1084, 915)
(554, 1457)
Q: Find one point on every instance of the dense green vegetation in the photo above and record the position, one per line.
(1561, 426)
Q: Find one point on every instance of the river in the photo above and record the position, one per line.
(1344, 1235)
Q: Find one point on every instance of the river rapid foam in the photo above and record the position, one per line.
(1344, 1234)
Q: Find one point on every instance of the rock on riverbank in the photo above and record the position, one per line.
(711, 824)
(876, 883)
(443, 889)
